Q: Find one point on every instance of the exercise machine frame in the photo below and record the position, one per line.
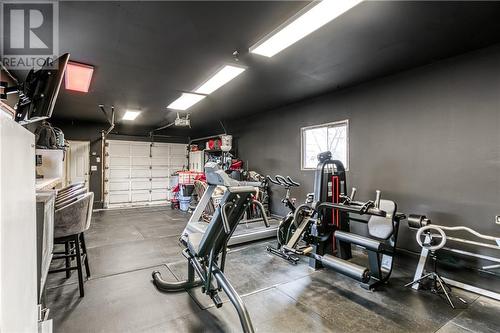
(419, 222)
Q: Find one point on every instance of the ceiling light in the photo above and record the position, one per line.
(78, 76)
(130, 115)
(223, 76)
(186, 101)
(309, 19)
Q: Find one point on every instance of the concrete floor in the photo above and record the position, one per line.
(125, 246)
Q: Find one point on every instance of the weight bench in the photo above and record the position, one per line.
(206, 253)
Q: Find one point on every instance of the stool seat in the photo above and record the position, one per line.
(70, 223)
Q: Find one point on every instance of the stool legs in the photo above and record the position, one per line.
(84, 249)
(79, 265)
(74, 247)
(67, 247)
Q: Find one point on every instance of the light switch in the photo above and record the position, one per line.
(98, 159)
(497, 219)
(93, 168)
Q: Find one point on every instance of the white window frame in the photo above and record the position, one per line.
(344, 122)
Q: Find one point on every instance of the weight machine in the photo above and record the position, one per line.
(323, 228)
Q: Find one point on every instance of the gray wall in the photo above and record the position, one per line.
(428, 138)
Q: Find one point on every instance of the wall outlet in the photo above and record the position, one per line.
(497, 219)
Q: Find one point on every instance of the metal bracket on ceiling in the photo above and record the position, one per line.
(110, 118)
(236, 55)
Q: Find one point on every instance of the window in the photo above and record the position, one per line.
(331, 137)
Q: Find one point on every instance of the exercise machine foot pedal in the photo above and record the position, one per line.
(283, 254)
(216, 299)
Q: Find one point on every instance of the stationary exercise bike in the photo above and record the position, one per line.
(286, 224)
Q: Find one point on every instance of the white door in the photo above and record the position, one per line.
(78, 162)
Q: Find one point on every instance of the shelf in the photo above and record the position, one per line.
(211, 151)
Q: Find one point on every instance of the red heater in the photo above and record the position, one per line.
(78, 76)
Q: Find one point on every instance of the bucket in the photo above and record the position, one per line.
(184, 203)
(186, 190)
(226, 142)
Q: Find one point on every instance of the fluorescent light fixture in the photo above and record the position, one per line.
(309, 19)
(223, 76)
(186, 101)
(130, 115)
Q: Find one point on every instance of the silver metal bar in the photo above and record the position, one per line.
(466, 241)
(490, 267)
(472, 254)
(245, 320)
(468, 287)
(196, 216)
(424, 254)
(262, 212)
(469, 230)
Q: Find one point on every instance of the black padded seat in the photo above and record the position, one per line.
(193, 241)
(383, 227)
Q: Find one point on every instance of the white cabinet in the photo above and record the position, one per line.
(196, 161)
(138, 173)
(18, 267)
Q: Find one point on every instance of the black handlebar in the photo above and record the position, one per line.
(282, 181)
(272, 180)
(291, 181)
(360, 208)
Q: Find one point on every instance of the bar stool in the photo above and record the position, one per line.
(70, 223)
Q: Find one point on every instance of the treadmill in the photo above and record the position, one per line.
(248, 230)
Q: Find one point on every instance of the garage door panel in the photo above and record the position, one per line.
(160, 151)
(160, 161)
(178, 149)
(160, 195)
(118, 173)
(174, 169)
(177, 156)
(140, 161)
(140, 196)
(160, 172)
(117, 161)
(118, 186)
(141, 184)
(160, 183)
(140, 149)
(118, 197)
(118, 148)
(140, 173)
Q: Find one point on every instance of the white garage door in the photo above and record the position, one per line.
(138, 173)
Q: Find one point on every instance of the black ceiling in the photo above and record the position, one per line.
(145, 53)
